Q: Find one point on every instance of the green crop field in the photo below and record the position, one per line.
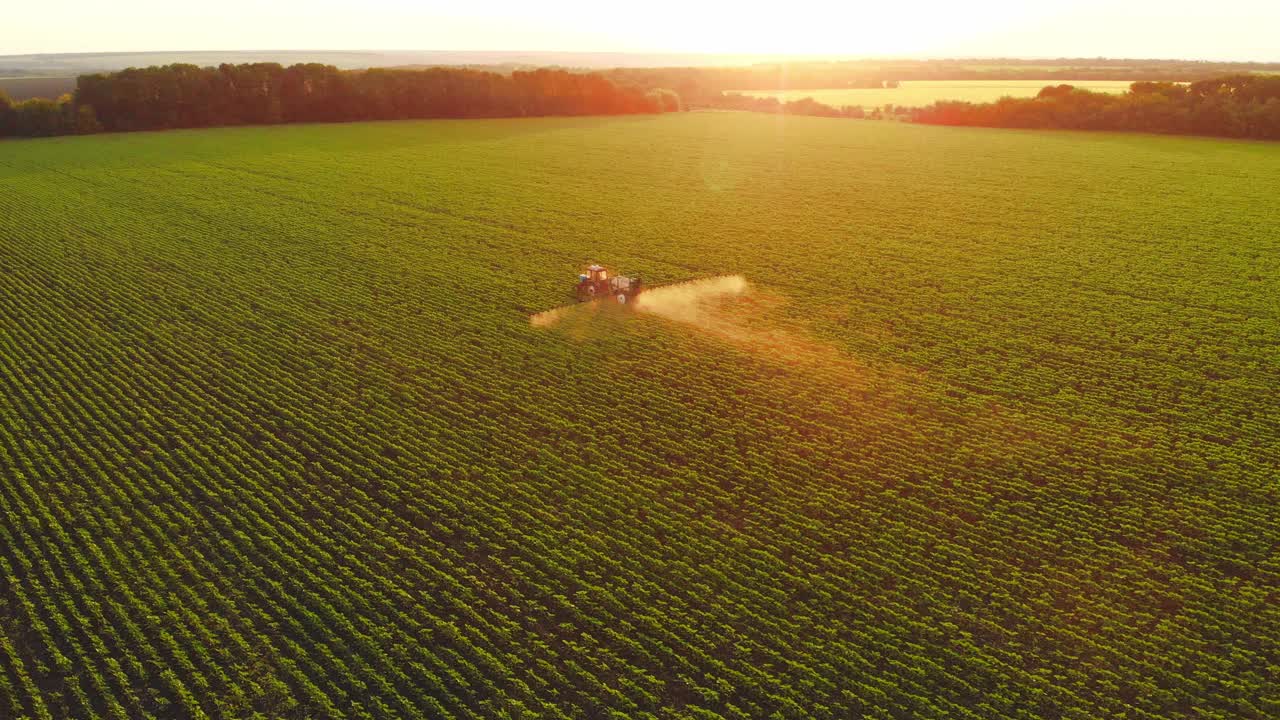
(918, 93)
(993, 433)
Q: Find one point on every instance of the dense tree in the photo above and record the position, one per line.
(1243, 106)
(40, 117)
(86, 121)
(703, 85)
(5, 113)
(186, 96)
(802, 106)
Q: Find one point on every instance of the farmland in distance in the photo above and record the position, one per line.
(918, 93)
(994, 434)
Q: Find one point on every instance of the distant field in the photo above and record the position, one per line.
(915, 93)
(1021, 68)
(993, 435)
(22, 88)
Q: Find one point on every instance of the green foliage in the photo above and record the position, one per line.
(6, 115)
(997, 439)
(25, 88)
(864, 82)
(87, 120)
(39, 117)
(918, 93)
(770, 104)
(1242, 106)
(187, 96)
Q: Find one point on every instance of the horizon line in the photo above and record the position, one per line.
(634, 53)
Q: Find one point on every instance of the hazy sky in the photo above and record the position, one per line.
(1223, 29)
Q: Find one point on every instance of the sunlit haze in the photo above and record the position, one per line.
(1227, 30)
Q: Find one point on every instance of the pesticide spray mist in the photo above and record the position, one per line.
(688, 302)
(691, 302)
(726, 307)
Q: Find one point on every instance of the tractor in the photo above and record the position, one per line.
(596, 283)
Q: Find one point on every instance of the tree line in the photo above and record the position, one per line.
(703, 85)
(188, 96)
(40, 117)
(1238, 106)
(801, 106)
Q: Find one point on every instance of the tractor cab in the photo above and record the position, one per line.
(595, 283)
